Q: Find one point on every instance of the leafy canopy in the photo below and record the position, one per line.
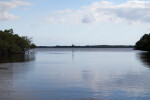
(143, 43)
(13, 43)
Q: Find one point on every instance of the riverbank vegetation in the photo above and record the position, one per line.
(11, 43)
(143, 43)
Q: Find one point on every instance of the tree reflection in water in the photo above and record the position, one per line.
(13, 67)
(145, 58)
(17, 58)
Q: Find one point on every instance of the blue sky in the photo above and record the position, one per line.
(82, 22)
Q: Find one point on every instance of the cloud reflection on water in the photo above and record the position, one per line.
(80, 75)
(12, 68)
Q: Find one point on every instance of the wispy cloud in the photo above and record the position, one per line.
(63, 11)
(131, 12)
(5, 6)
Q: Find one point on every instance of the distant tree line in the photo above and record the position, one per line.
(11, 43)
(89, 46)
(143, 43)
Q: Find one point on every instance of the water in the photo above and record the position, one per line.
(76, 74)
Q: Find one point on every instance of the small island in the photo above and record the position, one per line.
(11, 43)
(144, 43)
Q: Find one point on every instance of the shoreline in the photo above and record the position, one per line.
(100, 46)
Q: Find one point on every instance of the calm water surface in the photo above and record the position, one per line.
(76, 74)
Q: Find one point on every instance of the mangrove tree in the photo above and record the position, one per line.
(11, 43)
(143, 43)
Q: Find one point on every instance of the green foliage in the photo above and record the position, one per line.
(143, 43)
(13, 43)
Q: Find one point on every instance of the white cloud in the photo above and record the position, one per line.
(131, 12)
(5, 6)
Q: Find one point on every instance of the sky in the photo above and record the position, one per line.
(79, 22)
